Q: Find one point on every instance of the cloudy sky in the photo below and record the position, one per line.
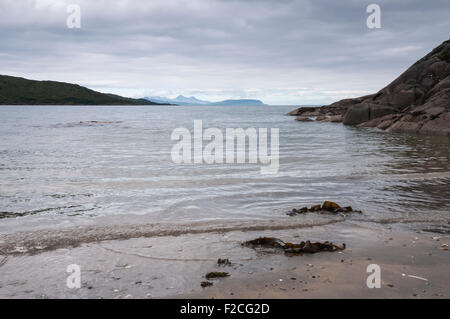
(283, 52)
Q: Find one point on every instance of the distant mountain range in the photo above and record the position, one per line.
(183, 100)
(20, 91)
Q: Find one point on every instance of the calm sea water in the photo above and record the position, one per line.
(55, 170)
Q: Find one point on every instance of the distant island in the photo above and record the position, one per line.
(183, 100)
(20, 91)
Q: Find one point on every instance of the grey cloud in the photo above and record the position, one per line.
(219, 48)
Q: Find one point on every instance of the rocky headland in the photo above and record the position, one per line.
(418, 101)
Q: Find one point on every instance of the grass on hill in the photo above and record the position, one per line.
(20, 91)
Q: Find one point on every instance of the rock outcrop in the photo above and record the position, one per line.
(418, 101)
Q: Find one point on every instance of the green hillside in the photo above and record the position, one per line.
(20, 91)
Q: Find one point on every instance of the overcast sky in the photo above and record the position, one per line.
(282, 52)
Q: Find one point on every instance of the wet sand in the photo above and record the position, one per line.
(402, 260)
(174, 266)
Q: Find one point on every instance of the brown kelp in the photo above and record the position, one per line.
(304, 247)
(327, 207)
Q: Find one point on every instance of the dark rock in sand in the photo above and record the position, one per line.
(223, 262)
(418, 101)
(205, 284)
(266, 242)
(216, 274)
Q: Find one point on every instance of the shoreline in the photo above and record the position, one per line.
(174, 266)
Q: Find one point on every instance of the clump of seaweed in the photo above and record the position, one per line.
(294, 249)
(205, 284)
(265, 242)
(223, 262)
(216, 274)
(326, 208)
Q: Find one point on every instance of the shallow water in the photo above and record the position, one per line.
(59, 167)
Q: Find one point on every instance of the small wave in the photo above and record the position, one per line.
(86, 124)
(401, 220)
(74, 210)
(166, 258)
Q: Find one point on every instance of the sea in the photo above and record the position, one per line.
(80, 168)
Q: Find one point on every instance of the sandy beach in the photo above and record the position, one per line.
(414, 264)
(411, 267)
